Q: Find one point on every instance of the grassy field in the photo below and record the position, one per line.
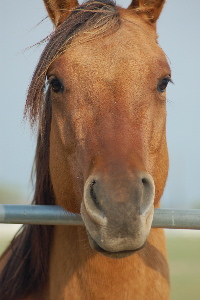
(184, 261)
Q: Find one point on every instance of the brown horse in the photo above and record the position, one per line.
(101, 151)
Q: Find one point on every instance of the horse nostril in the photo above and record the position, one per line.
(92, 207)
(144, 181)
(148, 192)
(148, 183)
(93, 193)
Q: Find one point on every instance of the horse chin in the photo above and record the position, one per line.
(120, 254)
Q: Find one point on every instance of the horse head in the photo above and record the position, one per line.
(107, 92)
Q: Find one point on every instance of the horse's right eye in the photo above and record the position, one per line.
(56, 85)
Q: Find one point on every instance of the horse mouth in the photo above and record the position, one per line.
(120, 254)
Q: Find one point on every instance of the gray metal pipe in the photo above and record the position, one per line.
(56, 215)
(38, 214)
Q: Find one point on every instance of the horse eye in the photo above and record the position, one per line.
(56, 85)
(163, 84)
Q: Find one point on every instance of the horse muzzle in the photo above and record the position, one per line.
(118, 212)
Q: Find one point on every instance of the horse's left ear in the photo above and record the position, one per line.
(58, 10)
(148, 9)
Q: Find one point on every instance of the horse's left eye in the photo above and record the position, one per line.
(56, 85)
(163, 84)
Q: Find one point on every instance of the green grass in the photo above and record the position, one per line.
(3, 244)
(6, 234)
(184, 262)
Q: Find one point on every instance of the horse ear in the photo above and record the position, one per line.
(148, 9)
(58, 10)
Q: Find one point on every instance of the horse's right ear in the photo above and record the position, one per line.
(58, 10)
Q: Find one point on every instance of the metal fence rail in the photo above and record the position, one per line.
(55, 215)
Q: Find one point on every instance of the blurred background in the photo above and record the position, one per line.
(23, 24)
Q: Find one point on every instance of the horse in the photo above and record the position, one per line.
(98, 101)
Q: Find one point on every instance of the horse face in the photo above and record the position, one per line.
(107, 142)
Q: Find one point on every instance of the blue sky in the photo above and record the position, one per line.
(178, 30)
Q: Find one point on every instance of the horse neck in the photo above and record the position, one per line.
(77, 272)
